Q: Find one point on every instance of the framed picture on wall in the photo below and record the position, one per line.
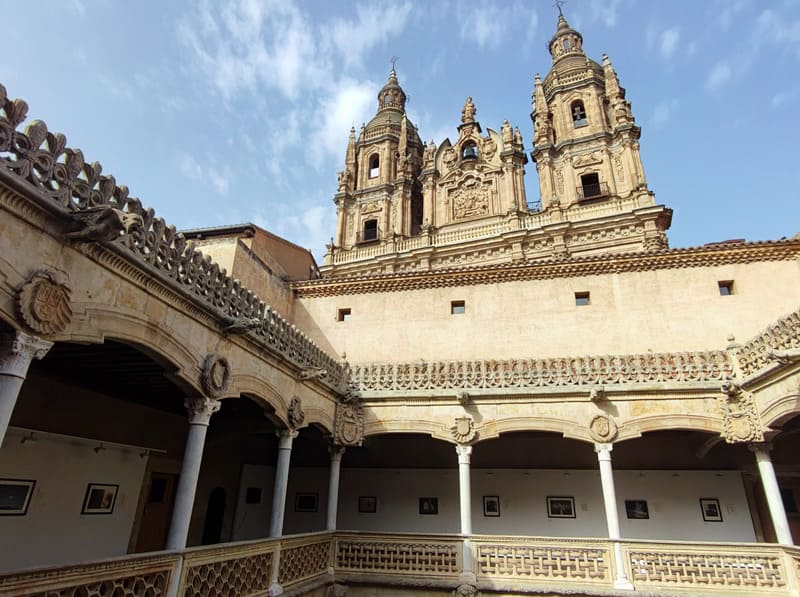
(306, 502)
(491, 505)
(711, 510)
(560, 507)
(637, 509)
(99, 499)
(15, 495)
(367, 504)
(429, 505)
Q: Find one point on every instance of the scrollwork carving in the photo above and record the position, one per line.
(215, 375)
(43, 302)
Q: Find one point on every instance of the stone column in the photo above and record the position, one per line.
(777, 513)
(200, 411)
(464, 490)
(333, 486)
(612, 516)
(285, 438)
(17, 350)
(466, 578)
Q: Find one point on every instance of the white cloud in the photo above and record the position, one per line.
(783, 97)
(193, 170)
(669, 42)
(190, 168)
(76, 7)
(719, 75)
(374, 23)
(488, 26)
(726, 12)
(663, 112)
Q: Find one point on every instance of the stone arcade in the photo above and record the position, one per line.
(474, 394)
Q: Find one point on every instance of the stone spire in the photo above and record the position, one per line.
(566, 41)
(391, 96)
(620, 107)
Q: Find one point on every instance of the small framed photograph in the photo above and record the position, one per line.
(15, 495)
(306, 502)
(491, 505)
(560, 507)
(367, 504)
(711, 510)
(99, 499)
(637, 509)
(429, 505)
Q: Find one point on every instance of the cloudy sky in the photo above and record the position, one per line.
(217, 112)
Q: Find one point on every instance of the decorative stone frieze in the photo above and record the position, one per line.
(703, 367)
(348, 425)
(296, 415)
(215, 375)
(782, 335)
(17, 350)
(463, 430)
(741, 422)
(41, 161)
(200, 409)
(43, 302)
(603, 429)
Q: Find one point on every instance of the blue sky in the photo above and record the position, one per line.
(226, 112)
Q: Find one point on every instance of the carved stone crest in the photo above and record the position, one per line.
(470, 201)
(740, 422)
(348, 427)
(215, 375)
(43, 302)
(296, 414)
(489, 148)
(603, 429)
(463, 430)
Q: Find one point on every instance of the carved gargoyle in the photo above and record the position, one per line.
(103, 223)
(241, 325)
(313, 373)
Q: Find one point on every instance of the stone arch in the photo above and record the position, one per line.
(688, 422)
(780, 410)
(567, 428)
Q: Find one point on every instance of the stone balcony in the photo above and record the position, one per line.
(350, 563)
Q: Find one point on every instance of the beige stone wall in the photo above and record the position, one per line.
(662, 310)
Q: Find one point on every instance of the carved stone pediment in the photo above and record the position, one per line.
(43, 302)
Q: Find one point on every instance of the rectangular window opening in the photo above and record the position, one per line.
(581, 299)
(458, 307)
(725, 287)
(343, 315)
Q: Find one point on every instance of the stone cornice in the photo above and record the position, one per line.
(706, 256)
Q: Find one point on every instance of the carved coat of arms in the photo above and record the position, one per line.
(463, 430)
(603, 429)
(349, 425)
(43, 302)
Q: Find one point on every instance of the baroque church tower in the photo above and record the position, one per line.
(379, 194)
(586, 143)
(407, 206)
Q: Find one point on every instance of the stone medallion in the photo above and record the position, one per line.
(215, 375)
(463, 430)
(603, 429)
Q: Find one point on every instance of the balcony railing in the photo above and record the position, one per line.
(515, 565)
(595, 190)
(370, 235)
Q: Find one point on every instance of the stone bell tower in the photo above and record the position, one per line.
(379, 197)
(586, 144)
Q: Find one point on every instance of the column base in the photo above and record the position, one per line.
(623, 584)
(275, 589)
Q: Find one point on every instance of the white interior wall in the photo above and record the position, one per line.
(672, 498)
(54, 531)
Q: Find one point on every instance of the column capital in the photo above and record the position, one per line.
(760, 447)
(200, 409)
(603, 451)
(285, 437)
(17, 350)
(336, 451)
(464, 453)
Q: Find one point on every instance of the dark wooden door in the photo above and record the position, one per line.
(157, 512)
